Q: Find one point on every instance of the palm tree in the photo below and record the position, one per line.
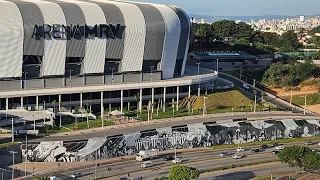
(137, 97)
(54, 105)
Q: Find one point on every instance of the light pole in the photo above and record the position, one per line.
(217, 65)
(204, 106)
(13, 152)
(291, 96)
(34, 122)
(44, 114)
(238, 133)
(151, 67)
(255, 104)
(305, 104)
(26, 160)
(198, 68)
(112, 74)
(12, 130)
(25, 79)
(70, 76)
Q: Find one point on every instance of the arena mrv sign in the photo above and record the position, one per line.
(58, 31)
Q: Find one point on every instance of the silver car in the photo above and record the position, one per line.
(75, 175)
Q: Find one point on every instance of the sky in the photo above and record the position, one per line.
(245, 7)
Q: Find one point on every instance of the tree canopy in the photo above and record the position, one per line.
(181, 172)
(300, 157)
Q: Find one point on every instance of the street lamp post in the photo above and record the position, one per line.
(198, 68)
(151, 67)
(112, 74)
(12, 129)
(204, 106)
(13, 152)
(70, 76)
(255, 104)
(25, 79)
(26, 160)
(44, 114)
(217, 65)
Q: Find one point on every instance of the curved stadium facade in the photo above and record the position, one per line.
(74, 43)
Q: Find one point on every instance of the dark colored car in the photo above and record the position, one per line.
(264, 146)
(169, 158)
(255, 150)
(274, 144)
(275, 152)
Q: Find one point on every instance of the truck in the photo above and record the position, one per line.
(26, 133)
(147, 155)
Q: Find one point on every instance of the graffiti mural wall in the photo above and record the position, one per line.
(189, 136)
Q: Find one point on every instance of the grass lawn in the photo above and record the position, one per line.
(300, 99)
(74, 126)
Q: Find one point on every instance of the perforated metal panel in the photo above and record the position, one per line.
(171, 43)
(11, 40)
(74, 16)
(155, 32)
(54, 49)
(95, 51)
(135, 33)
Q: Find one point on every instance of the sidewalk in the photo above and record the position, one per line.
(159, 121)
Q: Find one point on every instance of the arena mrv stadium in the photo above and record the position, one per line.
(53, 48)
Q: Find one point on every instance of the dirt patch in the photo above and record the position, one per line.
(314, 108)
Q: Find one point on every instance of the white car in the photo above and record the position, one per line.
(279, 147)
(246, 86)
(176, 161)
(75, 175)
(240, 149)
(236, 156)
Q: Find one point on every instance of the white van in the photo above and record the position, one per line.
(146, 164)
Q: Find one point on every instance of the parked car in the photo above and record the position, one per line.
(169, 158)
(308, 143)
(223, 154)
(274, 144)
(240, 149)
(255, 150)
(236, 156)
(176, 161)
(264, 146)
(279, 147)
(75, 175)
(275, 152)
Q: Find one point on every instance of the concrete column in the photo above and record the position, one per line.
(21, 102)
(121, 101)
(152, 99)
(59, 102)
(81, 101)
(7, 103)
(140, 103)
(164, 99)
(101, 105)
(37, 103)
(177, 98)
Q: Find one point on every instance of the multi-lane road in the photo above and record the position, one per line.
(202, 159)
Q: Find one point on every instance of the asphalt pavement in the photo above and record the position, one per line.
(202, 159)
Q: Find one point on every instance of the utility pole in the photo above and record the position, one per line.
(13, 152)
(26, 160)
(12, 130)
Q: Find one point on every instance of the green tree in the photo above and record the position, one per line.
(311, 161)
(181, 172)
(289, 42)
(294, 156)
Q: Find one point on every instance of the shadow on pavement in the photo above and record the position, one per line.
(241, 175)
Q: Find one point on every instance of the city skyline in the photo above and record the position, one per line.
(245, 8)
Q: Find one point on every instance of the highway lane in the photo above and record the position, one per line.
(155, 124)
(244, 173)
(202, 160)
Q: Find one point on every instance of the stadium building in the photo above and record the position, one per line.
(104, 51)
